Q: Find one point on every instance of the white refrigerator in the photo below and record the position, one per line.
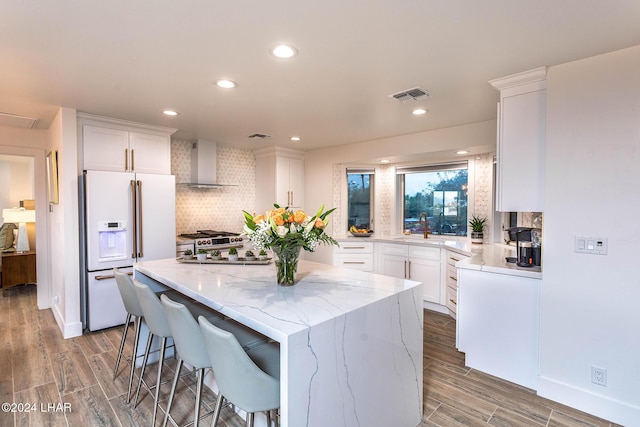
(125, 218)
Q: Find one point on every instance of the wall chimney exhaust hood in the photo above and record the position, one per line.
(203, 166)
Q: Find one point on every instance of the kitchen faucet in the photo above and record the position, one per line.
(426, 223)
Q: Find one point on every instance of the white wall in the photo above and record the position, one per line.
(589, 313)
(321, 177)
(64, 233)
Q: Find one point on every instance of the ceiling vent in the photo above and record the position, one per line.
(17, 121)
(259, 136)
(415, 94)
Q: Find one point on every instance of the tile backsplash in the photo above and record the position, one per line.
(214, 209)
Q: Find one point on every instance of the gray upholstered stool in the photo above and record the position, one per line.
(249, 380)
(158, 326)
(189, 343)
(130, 300)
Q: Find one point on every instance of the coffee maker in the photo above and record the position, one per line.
(528, 246)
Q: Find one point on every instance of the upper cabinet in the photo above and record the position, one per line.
(521, 141)
(279, 178)
(121, 146)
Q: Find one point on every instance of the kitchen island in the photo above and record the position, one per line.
(350, 341)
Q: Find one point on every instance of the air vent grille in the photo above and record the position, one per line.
(17, 121)
(259, 136)
(415, 94)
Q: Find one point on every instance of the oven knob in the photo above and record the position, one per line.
(199, 242)
(207, 242)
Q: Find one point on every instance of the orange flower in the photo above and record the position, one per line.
(278, 219)
(319, 223)
(299, 216)
(258, 219)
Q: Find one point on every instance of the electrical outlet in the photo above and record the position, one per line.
(599, 375)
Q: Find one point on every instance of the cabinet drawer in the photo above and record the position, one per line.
(453, 257)
(452, 299)
(391, 249)
(452, 271)
(354, 261)
(354, 247)
(424, 252)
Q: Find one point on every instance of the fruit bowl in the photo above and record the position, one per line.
(367, 233)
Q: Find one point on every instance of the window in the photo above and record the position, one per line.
(438, 192)
(360, 198)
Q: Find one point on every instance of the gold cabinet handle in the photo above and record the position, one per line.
(405, 268)
(353, 262)
(353, 247)
(110, 276)
(453, 278)
(453, 301)
(409, 270)
(140, 254)
(132, 161)
(134, 231)
(126, 159)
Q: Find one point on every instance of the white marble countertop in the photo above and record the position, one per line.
(484, 257)
(344, 335)
(492, 258)
(250, 294)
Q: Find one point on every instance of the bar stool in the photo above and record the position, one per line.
(158, 325)
(130, 300)
(249, 380)
(190, 345)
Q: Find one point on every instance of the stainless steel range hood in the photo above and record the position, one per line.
(203, 166)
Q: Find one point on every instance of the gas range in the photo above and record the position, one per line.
(211, 239)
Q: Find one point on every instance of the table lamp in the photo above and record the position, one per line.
(20, 216)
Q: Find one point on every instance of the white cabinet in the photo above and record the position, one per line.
(418, 263)
(521, 141)
(354, 255)
(451, 281)
(498, 324)
(115, 145)
(279, 178)
(289, 181)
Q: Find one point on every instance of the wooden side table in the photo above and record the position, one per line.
(18, 269)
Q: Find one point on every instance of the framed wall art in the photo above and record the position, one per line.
(52, 176)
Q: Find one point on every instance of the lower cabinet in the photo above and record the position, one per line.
(451, 281)
(354, 255)
(498, 324)
(418, 263)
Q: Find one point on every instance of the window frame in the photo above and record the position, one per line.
(425, 168)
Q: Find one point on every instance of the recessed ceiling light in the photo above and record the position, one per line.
(284, 51)
(226, 84)
(462, 152)
(295, 138)
(419, 111)
(170, 113)
(385, 161)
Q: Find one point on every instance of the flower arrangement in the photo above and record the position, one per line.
(286, 232)
(281, 227)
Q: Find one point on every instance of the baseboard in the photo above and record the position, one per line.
(595, 404)
(435, 307)
(68, 330)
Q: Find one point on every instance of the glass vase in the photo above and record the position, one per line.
(286, 260)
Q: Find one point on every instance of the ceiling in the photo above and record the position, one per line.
(134, 59)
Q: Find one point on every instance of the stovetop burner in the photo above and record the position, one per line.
(214, 233)
(203, 234)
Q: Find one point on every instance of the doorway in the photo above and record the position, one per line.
(22, 171)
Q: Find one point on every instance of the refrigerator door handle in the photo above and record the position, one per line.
(134, 231)
(140, 227)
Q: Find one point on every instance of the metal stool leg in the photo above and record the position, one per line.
(124, 337)
(144, 365)
(216, 413)
(200, 381)
(133, 358)
(172, 393)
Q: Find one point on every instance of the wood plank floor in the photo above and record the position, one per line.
(70, 381)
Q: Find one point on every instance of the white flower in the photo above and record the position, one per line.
(282, 231)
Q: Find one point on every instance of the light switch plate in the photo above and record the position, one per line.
(591, 245)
